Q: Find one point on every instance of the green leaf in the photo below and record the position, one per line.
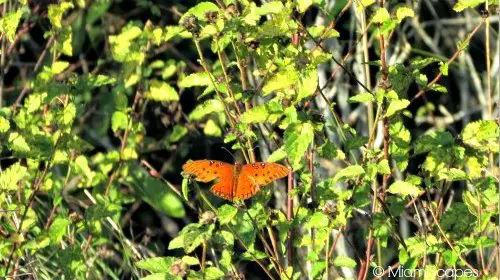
(58, 229)
(404, 189)
(212, 273)
(68, 115)
(212, 129)
(308, 82)
(65, 40)
(10, 177)
(318, 268)
(396, 106)
(431, 272)
(450, 257)
(70, 262)
(432, 141)
(443, 67)
(200, 10)
(255, 255)
(192, 236)
(226, 214)
(119, 120)
(56, 12)
(128, 153)
(155, 192)
(297, 138)
(381, 228)
(82, 167)
(267, 112)
(157, 264)
(59, 66)
(362, 97)
(465, 4)
(102, 210)
(34, 102)
(208, 107)
(328, 150)
(303, 5)
(277, 155)
(355, 142)
(185, 188)
(381, 15)
(271, 7)
(4, 125)
(457, 227)
(177, 133)
(317, 220)
(123, 46)
(9, 23)
(281, 80)
(190, 260)
(404, 12)
(317, 32)
(363, 4)
(349, 172)
(173, 31)
(481, 135)
(439, 88)
(257, 114)
(17, 142)
(161, 276)
(420, 62)
(344, 261)
(96, 10)
(383, 167)
(451, 174)
(161, 91)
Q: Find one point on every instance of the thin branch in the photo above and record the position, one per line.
(438, 76)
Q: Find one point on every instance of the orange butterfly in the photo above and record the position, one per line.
(235, 181)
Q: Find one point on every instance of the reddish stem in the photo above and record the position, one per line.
(289, 216)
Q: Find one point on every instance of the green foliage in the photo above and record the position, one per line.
(154, 192)
(10, 177)
(99, 113)
(9, 23)
(297, 138)
(404, 189)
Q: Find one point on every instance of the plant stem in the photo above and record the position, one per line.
(36, 187)
(212, 207)
(219, 94)
(289, 216)
(455, 55)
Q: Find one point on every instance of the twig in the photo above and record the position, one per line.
(449, 243)
(289, 216)
(37, 66)
(438, 76)
(3, 42)
(36, 187)
(266, 270)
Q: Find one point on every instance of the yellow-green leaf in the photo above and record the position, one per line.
(56, 12)
(11, 176)
(161, 91)
(404, 189)
(9, 23)
(404, 12)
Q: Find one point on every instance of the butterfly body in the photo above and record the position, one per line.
(235, 181)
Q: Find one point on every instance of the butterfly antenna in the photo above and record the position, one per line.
(253, 149)
(224, 148)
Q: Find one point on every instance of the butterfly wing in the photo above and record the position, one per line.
(246, 187)
(252, 176)
(263, 173)
(209, 170)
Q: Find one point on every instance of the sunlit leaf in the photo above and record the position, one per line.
(10, 177)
